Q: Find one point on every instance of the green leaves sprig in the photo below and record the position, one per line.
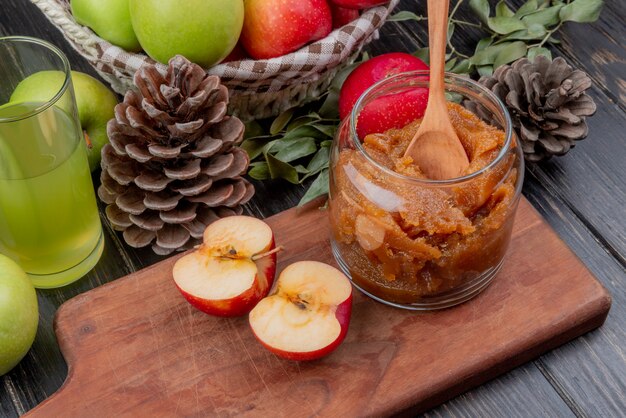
(513, 34)
(295, 146)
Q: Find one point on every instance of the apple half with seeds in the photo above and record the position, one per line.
(232, 270)
(308, 314)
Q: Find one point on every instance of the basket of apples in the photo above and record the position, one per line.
(271, 54)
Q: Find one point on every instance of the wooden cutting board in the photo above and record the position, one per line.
(134, 347)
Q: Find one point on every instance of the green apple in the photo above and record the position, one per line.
(94, 101)
(19, 314)
(110, 19)
(201, 30)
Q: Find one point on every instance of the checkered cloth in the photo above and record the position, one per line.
(258, 88)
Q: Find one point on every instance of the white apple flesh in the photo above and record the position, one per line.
(232, 270)
(308, 315)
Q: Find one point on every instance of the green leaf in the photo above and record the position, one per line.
(253, 129)
(254, 146)
(423, 54)
(296, 149)
(514, 51)
(482, 44)
(535, 31)
(529, 7)
(534, 51)
(299, 121)
(481, 9)
(488, 55)
(462, 67)
(405, 15)
(304, 131)
(301, 169)
(328, 130)
(259, 171)
(279, 169)
(318, 188)
(485, 70)
(503, 10)
(505, 25)
(281, 121)
(319, 161)
(450, 64)
(545, 17)
(581, 11)
(330, 107)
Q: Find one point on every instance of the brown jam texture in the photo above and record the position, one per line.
(404, 241)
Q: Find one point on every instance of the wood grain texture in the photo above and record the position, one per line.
(135, 347)
(580, 195)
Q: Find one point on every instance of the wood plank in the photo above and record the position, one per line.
(590, 371)
(521, 393)
(136, 346)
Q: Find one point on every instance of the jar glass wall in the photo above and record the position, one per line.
(413, 242)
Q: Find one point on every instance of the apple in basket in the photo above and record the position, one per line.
(203, 31)
(273, 28)
(385, 112)
(110, 19)
(359, 4)
(308, 314)
(341, 15)
(232, 270)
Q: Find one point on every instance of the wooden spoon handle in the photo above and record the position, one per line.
(437, 40)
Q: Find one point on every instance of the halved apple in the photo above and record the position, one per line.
(232, 270)
(307, 316)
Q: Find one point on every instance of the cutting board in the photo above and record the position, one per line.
(134, 347)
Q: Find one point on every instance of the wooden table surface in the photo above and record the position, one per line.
(582, 196)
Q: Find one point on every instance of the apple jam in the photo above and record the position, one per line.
(415, 242)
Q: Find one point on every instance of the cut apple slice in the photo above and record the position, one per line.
(232, 270)
(307, 317)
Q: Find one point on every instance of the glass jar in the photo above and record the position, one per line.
(417, 243)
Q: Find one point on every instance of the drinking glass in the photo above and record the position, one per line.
(49, 222)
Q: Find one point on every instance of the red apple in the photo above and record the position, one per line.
(237, 54)
(342, 16)
(392, 111)
(372, 71)
(358, 4)
(307, 316)
(272, 28)
(232, 270)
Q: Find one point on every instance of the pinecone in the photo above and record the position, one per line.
(547, 103)
(172, 165)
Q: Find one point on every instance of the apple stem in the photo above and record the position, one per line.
(88, 140)
(265, 254)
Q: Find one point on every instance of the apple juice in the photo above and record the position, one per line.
(49, 221)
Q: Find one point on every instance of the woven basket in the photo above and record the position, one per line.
(258, 88)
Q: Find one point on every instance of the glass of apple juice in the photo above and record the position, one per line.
(49, 222)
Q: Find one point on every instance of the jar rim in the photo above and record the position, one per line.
(508, 131)
(66, 71)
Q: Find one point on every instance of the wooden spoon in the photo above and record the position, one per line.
(435, 148)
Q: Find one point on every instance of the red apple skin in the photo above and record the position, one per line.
(343, 313)
(273, 28)
(237, 54)
(358, 4)
(372, 71)
(393, 111)
(342, 16)
(243, 302)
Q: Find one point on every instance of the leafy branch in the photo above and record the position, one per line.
(295, 145)
(512, 34)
